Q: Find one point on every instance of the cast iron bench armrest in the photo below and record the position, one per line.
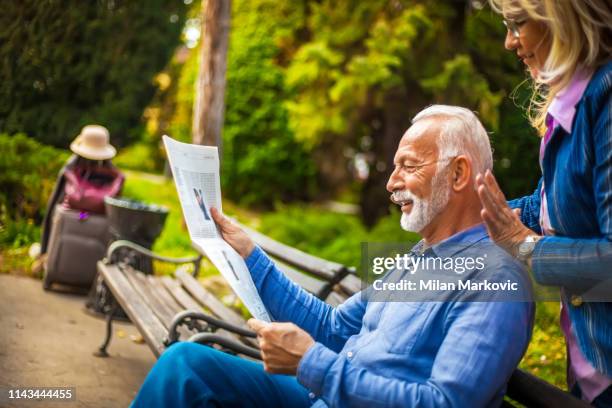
(188, 317)
(147, 252)
(226, 343)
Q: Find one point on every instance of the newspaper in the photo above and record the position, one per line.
(195, 170)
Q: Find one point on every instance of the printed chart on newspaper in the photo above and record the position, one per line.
(195, 170)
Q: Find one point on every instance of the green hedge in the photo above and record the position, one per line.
(69, 63)
(27, 174)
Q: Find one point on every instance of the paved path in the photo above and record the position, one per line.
(46, 339)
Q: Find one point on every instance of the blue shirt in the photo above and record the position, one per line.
(404, 354)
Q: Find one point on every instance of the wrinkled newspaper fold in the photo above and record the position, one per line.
(195, 170)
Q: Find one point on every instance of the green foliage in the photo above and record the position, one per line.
(16, 260)
(69, 63)
(311, 84)
(367, 67)
(546, 355)
(459, 74)
(27, 176)
(17, 233)
(181, 121)
(140, 156)
(351, 67)
(262, 162)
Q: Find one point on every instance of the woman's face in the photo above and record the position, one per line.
(532, 45)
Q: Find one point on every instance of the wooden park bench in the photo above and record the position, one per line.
(168, 309)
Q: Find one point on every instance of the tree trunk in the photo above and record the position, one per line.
(394, 119)
(209, 105)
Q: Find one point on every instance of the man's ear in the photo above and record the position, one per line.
(461, 172)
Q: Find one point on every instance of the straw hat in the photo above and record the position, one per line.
(93, 143)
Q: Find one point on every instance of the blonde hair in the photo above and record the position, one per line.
(580, 39)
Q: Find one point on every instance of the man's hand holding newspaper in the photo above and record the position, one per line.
(233, 235)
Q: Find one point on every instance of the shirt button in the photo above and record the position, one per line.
(349, 354)
(311, 395)
(576, 300)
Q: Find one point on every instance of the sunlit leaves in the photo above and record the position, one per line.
(459, 83)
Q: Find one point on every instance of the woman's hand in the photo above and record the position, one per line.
(233, 235)
(503, 224)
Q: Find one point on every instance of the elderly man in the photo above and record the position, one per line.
(372, 353)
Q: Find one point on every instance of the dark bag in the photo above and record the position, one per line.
(86, 187)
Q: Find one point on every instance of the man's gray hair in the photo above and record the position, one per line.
(461, 133)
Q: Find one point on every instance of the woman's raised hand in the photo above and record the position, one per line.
(503, 224)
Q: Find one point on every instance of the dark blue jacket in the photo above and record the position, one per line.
(577, 171)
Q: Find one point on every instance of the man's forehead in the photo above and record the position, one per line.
(420, 138)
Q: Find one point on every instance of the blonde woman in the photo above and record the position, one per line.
(563, 232)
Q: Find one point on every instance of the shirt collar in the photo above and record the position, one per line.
(453, 244)
(563, 106)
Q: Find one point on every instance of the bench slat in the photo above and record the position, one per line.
(351, 284)
(188, 303)
(140, 284)
(135, 306)
(335, 299)
(175, 289)
(208, 300)
(158, 288)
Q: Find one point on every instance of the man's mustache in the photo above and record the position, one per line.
(399, 197)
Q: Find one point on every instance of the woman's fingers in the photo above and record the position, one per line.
(491, 182)
(496, 213)
(503, 223)
(497, 196)
(488, 201)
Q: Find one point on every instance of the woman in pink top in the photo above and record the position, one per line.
(563, 231)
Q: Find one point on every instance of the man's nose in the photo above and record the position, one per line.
(511, 42)
(395, 182)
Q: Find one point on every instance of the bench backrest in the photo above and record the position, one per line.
(319, 276)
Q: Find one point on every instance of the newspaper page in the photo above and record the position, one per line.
(195, 170)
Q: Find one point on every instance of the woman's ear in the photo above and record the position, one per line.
(461, 169)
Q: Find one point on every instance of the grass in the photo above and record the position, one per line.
(546, 357)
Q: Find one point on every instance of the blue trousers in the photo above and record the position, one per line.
(193, 375)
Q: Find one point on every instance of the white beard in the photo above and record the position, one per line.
(424, 211)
